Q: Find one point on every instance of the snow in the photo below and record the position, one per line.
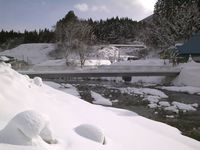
(143, 91)
(164, 104)
(122, 129)
(109, 53)
(172, 109)
(152, 99)
(33, 53)
(143, 62)
(38, 81)
(96, 62)
(185, 89)
(4, 58)
(68, 88)
(152, 105)
(91, 132)
(25, 129)
(98, 99)
(189, 75)
(182, 106)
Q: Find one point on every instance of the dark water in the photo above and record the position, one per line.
(187, 122)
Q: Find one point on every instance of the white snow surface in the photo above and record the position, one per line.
(182, 106)
(164, 103)
(98, 99)
(143, 62)
(122, 129)
(185, 89)
(67, 88)
(33, 53)
(189, 75)
(91, 132)
(27, 128)
(97, 62)
(109, 52)
(143, 91)
(38, 81)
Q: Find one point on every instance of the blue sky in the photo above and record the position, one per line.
(34, 14)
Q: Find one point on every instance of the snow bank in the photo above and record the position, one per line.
(143, 91)
(122, 129)
(33, 53)
(189, 75)
(185, 89)
(98, 99)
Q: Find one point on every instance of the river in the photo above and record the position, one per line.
(187, 122)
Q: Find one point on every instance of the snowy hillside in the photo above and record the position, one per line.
(32, 53)
(73, 124)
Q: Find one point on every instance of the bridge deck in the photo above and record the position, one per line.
(107, 72)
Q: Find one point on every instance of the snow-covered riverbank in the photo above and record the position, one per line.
(122, 129)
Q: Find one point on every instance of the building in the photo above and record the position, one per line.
(191, 47)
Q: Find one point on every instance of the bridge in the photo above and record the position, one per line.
(106, 71)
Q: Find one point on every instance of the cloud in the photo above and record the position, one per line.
(102, 8)
(146, 5)
(82, 7)
(94, 8)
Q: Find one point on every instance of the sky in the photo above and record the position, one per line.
(39, 14)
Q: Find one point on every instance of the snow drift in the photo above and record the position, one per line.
(123, 130)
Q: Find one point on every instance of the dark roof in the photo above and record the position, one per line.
(148, 19)
(192, 46)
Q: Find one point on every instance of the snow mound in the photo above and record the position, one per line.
(152, 99)
(172, 109)
(164, 104)
(91, 132)
(152, 105)
(38, 81)
(98, 99)
(25, 129)
(184, 107)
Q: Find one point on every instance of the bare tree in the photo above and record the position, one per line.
(75, 36)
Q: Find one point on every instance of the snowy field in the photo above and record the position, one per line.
(31, 53)
(60, 121)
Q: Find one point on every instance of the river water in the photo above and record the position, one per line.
(187, 122)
